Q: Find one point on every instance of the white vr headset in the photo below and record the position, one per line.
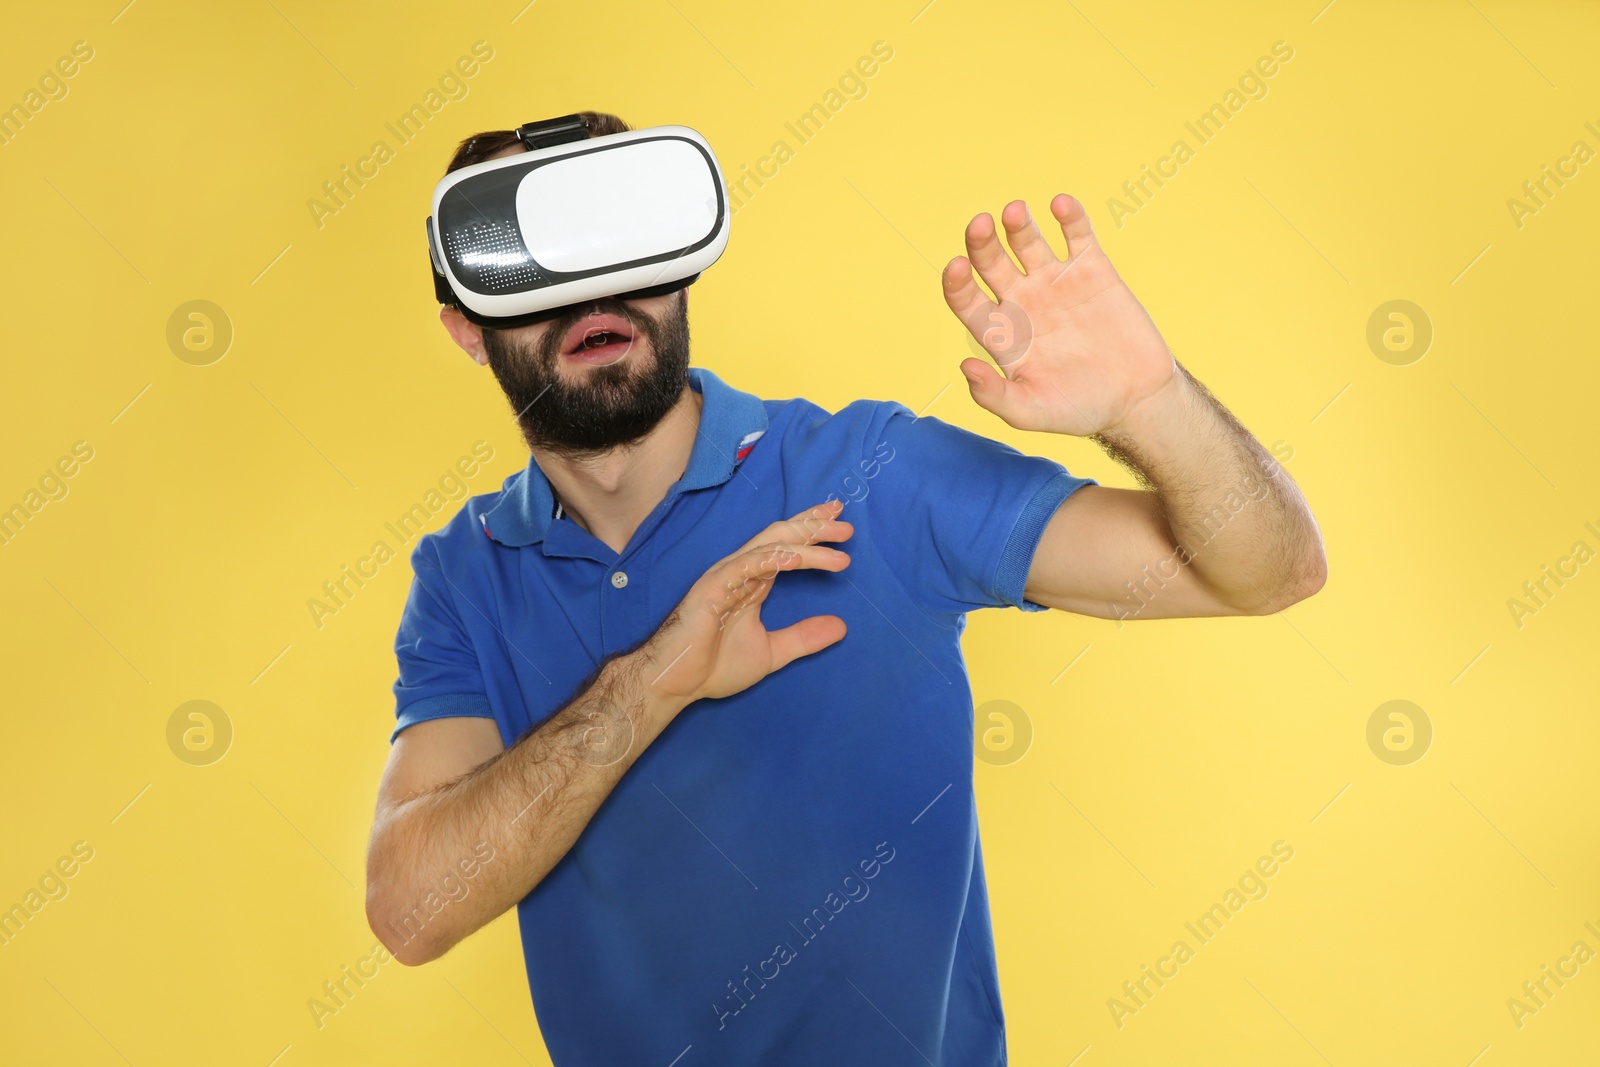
(523, 239)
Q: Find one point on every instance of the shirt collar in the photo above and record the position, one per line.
(730, 423)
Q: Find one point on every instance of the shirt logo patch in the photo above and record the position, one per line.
(746, 443)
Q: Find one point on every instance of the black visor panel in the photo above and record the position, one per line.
(482, 242)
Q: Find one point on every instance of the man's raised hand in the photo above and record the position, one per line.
(1076, 352)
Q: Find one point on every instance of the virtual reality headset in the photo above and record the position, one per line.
(525, 238)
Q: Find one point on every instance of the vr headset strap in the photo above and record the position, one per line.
(547, 132)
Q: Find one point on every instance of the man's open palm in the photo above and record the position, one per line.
(1077, 350)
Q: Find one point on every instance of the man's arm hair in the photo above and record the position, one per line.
(1220, 527)
(509, 819)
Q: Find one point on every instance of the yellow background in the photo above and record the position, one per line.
(1164, 762)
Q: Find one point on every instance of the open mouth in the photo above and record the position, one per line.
(598, 339)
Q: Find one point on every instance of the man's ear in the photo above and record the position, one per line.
(464, 333)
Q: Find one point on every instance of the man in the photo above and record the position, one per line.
(688, 691)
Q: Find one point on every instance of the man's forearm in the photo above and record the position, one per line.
(523, 808)
(1237, 516)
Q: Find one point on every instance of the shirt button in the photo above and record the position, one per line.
(619, 580)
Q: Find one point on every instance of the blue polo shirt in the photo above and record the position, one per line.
(790, 875)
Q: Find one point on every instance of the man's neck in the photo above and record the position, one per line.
(610, 494)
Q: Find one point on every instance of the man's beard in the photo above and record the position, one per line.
(616, 404)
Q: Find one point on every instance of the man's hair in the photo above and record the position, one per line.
(482, 146)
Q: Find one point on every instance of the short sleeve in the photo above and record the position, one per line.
(440, 675)
(956, 515)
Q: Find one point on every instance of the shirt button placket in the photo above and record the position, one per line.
(625, 606)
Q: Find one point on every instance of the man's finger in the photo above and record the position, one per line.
(970, 304)
(1074, 224)
(764, 561)
(747, 577)
(817, 523)
(1022, 233)
(994, 265)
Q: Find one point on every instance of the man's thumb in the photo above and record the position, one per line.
(986, 383)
